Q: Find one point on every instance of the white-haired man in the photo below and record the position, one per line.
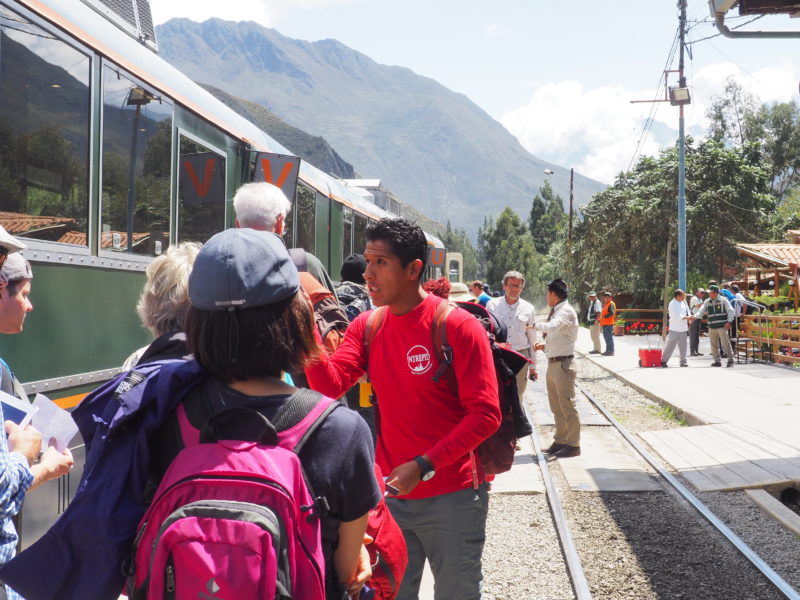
(519, 317)
(264, 207)
(22, 464)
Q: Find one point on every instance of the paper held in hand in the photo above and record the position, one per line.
(55, 423)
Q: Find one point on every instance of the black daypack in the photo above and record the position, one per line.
(353, 298)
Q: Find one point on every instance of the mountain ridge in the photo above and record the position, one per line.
(433, 147)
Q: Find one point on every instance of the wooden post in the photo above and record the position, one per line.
(666, 291)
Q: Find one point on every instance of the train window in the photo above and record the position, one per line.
(347, 233)
(305, 206)
(359, 234)
(137, 153)
(44, 133)
(288, 226)
(201, 193)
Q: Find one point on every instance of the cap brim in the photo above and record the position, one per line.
(466, 297)
(10, 243)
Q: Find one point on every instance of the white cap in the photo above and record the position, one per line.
(9, 242)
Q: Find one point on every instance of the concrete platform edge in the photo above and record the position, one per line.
(690, 418)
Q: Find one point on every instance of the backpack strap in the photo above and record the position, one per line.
(374, 323)
(441, 345)
(301, 416)
(9, 383)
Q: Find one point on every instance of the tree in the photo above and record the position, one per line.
(547, 218)
(509, 246)
(621, 242)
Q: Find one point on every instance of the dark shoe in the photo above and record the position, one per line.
(730, 364)
(694, 354)
(698, 354)
(723, 355)
(663, 365)
(568, 451)
(554, 448)
(594, 351)
(716, 364)
(607, 354)
(684, 364)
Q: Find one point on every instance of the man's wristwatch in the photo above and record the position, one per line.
(426, 470)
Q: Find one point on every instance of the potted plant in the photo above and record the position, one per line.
(619, 326)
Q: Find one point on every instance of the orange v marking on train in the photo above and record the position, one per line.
(266, 165)
(201, 187)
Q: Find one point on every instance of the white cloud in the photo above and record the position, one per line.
(493, 30)
(596, 130)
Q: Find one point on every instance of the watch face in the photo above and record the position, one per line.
(428, 475)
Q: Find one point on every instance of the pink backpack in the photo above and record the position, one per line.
(236, 519)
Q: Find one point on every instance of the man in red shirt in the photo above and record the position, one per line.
(427, 429)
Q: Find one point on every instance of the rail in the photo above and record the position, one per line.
(646, 311)
(758, 562)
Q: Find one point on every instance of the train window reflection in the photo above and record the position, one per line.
(359, 234)
(304, 222)
(347, 233)
(44, 133)
(201, 192)
(137, 149)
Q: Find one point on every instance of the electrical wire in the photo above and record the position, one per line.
(655, 105)
(719, 34)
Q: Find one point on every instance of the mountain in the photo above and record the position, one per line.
(434, 148)
(313, 149)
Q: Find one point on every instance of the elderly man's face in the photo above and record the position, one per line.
(513, 288)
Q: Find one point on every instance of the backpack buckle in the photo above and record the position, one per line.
(317, 508)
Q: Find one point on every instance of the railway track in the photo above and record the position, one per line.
(682, 500)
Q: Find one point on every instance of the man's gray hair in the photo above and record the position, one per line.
(513, 275)
(258, 205)
(164, 303)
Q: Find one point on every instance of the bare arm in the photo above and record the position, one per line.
(346, 557)
(53, 464)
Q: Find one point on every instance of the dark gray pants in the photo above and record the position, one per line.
(449, 530)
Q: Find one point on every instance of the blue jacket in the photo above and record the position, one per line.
(81, 557)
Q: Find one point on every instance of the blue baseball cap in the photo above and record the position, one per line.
(242, 268)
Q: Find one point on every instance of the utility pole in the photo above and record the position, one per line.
(571, 199)
(681, 160)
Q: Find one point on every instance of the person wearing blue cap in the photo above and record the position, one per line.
(248, 323)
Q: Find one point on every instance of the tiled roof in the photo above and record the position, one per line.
(777, 254)
(793, 236)
(18, 223)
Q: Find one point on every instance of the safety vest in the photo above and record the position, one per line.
(717, 313)
(609, 313)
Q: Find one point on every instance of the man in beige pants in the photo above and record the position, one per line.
(561, 332)
(592, 316)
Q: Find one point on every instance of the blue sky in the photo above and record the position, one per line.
(559, 77)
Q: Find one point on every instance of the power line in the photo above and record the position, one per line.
(654, 106)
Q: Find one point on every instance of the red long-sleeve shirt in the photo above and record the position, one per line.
(417, 415)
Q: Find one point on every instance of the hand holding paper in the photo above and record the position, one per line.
(54, 422)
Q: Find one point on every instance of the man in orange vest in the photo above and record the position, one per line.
(607, 317)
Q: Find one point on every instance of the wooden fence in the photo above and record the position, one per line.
(779, 334)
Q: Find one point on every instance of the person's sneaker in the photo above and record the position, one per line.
(607, 354)
(698, 354)
(684, 364)
(594, 351)
(568, 451)
(716, 364)
(554, 448)
(663, 365)
(730, 364)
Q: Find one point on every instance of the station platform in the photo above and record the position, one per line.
(744, 421)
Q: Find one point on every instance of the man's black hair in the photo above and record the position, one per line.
(678, 292)
(406, 240)
(735, 288)
(559, 288)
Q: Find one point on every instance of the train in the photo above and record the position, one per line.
(108, 155)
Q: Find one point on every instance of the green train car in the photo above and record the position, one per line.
(107, 156)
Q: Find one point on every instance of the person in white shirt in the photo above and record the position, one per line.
(593, 318)
(694, 329)
(561, 332)
(679, 319)
(518, 316)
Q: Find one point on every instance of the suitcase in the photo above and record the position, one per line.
(649, 357)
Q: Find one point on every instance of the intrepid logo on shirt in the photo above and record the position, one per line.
(419, 360)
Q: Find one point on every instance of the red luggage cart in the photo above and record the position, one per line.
(649, 356)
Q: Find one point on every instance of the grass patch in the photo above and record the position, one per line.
(667, 413)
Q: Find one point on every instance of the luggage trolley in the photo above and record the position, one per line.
(650, 356)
